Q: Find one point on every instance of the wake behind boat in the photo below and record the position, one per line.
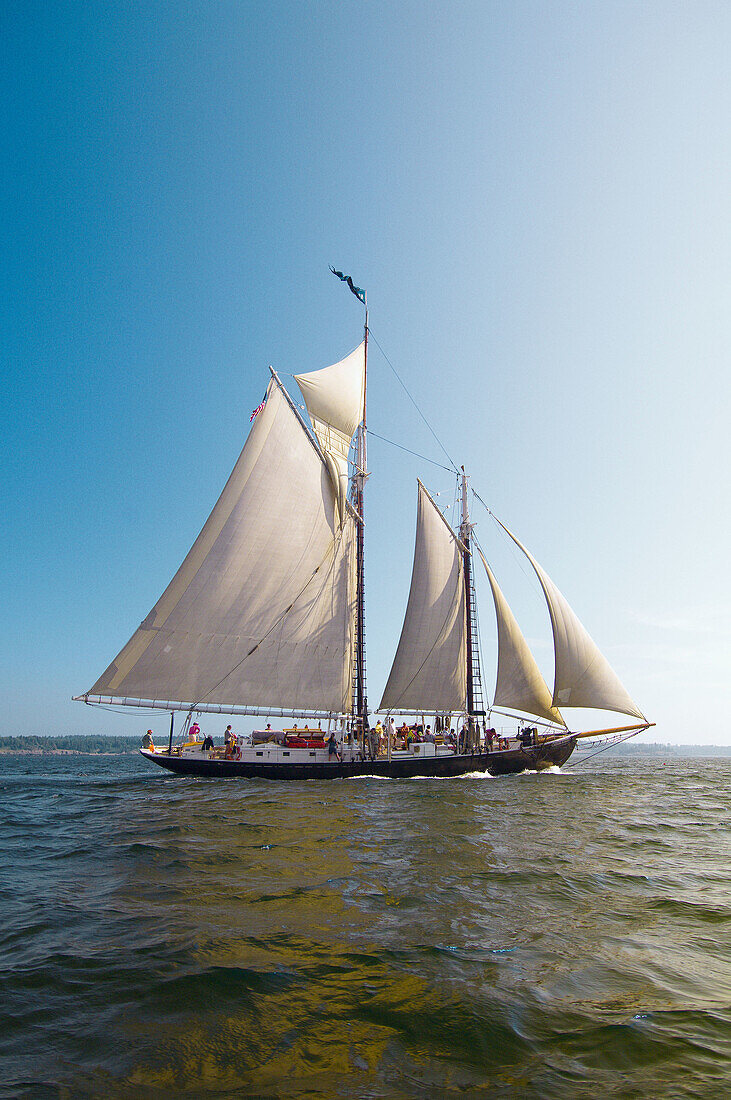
(266, 616)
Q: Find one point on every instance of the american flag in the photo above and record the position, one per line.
(258, 409)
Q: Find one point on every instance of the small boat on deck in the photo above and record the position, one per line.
(255, 622)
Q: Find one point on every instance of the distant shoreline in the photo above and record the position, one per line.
(84, 744)
(64, 752)
(641, 749)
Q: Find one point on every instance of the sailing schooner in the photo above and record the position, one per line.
(266, 616)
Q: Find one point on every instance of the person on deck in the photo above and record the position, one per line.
(147, 742)
(208, 743)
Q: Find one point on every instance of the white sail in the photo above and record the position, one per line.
(334, 399)
(429, 670)
(261, 611)
(520, 685)
(584, 677)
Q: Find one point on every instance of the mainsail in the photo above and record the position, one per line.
(429, 671)
(519, 685)
(334, 399)
(584, 677)
(261, 611)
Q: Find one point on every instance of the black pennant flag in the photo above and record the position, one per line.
(360, 294)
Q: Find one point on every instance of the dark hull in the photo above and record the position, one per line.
(507, 762)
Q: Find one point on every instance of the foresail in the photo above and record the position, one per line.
(584, 677)
(520, 685)
(429, 671)
(334, 400)
(261, 611)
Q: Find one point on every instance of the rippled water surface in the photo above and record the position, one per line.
(556, 935)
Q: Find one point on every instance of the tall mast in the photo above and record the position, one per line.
(361, 700)
(465, 530)
(475, 703)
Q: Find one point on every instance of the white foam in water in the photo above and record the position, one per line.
(437, 778)
(467, 775)
(552, 770)
(367, 776)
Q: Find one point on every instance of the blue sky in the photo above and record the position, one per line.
(536, 196)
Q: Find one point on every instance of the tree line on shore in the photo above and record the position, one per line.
(103, 743)
(83, 742)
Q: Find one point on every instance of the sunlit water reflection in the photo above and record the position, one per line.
(555, 935)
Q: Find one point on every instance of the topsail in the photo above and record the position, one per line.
(334, 399)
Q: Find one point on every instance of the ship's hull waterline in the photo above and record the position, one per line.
(503, 762)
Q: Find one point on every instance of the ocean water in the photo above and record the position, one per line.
(558, 935)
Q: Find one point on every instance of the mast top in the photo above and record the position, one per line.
(465, 527)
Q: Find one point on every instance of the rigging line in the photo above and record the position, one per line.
(517, 554)
(476, 494)
(455, 504)
(518, 558)
(331, 547)
(437, 641)
(614, 744)
(148, 712)
(533, 581)
(480, 662)
(409, 451)
(536, 576)
(412, 400)
(325, 579)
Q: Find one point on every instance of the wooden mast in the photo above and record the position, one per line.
(465, 530)
(361, 699)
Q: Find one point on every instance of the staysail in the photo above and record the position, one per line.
(429, 671)
(261, 611)
(520, 685)
(584, 677)
(334, 399)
